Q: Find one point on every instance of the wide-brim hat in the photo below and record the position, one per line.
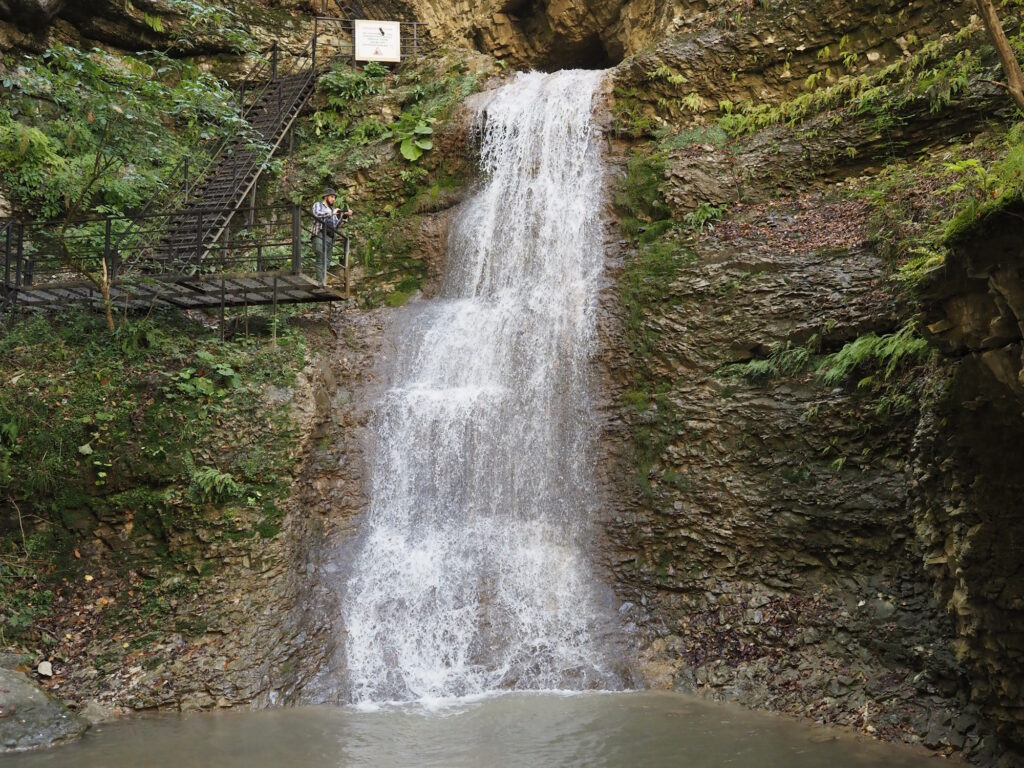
(330, 191)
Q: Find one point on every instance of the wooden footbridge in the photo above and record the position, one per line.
(202, 243)
(265, 259)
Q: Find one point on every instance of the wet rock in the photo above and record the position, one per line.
(94, 712)
(198, 700)
(30, 718)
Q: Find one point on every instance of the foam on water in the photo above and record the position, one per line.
(471, 577)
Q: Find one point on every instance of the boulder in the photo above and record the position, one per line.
(30, 717)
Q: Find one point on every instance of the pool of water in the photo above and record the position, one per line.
(648, 730)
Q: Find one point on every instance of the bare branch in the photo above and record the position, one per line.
(21, 524)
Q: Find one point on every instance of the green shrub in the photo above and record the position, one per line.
(704, 214)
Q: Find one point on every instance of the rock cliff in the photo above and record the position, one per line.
(967, 472)
(823, 546)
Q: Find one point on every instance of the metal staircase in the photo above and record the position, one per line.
(190, 234)
(202, 200)
(189, 248)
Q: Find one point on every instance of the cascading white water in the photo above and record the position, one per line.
(470, 576)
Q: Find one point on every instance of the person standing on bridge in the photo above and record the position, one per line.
(326, 220)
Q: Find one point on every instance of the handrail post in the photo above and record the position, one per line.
(415, 40)
(187, 190)
(347, 243)
(273, 61)
(106, 249)
(8, 231)
(316, 31)
(29, 267)
(20, 255)
(296, 240)
(277, 85)
(222, 302)
(199, 237)
(17, 269)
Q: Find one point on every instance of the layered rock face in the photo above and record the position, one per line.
(181, 28)
(710, 42)
(30, 13)
(770, 554)
(764, 54)
(793, 545)
(527, 33)
(969, 473)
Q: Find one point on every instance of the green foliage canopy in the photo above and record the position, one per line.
(89, 132)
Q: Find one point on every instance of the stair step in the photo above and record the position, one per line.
(191, 233)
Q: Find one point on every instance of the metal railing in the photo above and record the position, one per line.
(335, 37)
(266, 99)
(187, 229)
(72, 257)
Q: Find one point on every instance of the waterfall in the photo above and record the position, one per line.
(471, 575)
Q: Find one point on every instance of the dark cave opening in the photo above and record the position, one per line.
(589, 53)
(526, 37)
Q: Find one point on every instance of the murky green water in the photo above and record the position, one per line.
(644, 730)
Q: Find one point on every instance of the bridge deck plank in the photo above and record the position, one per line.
(202, 292)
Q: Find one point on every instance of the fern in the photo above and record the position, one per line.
(784, 360)
(887, 352)
(210, 484)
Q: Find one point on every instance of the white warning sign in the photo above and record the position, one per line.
(378, 40)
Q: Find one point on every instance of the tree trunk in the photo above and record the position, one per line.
(1014, 77)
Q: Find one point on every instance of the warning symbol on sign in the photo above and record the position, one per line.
(378, 40)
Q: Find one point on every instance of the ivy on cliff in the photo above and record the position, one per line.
(372, 137)
(939, 72)
(924, 204)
